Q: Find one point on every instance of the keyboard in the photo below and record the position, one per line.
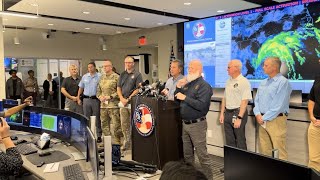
(73, 172)
(25, 149)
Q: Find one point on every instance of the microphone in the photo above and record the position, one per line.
(146, 82)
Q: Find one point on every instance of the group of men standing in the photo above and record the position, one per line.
(101, 95)
(108, 98)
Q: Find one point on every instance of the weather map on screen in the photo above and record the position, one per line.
(14, 118)
(49, 122)
(35, 120)
(290, 31)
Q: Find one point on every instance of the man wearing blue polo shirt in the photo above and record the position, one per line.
(271, 109)
(91, 104)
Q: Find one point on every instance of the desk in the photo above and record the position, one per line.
(38, 171)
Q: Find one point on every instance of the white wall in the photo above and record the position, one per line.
(86, 47)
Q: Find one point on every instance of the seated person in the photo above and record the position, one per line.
(10, 161)
(177, 170)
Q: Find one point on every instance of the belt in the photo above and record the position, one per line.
(232, 110)
(194, 120)
(90, 97)
(281, 114)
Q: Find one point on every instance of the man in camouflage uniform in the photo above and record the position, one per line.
(107, 94)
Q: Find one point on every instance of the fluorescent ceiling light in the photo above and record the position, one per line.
(128, 19)
(18, 14)
(187, 3)
(220, 11)
(86, 12)
(118, 32)
(87, 28)
(159, 24)
(50, 24)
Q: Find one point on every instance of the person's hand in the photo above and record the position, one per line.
(51, 92)
(259, 119)
(180, 96)
(28, 101)
(4, 129)
(182, 82)
(102, 98)
(124, 101)
(79, 101)
(237, 123)
(74, 98)
(165, 91)
(315, 122)
(221, 119)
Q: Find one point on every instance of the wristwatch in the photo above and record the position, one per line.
(239, 117)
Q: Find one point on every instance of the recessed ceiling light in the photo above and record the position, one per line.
(86, 12)
(50, 24)
(128, 19)
(187, 3)
(220, 11)
(118, 32)
(87, 28)
(160, 24)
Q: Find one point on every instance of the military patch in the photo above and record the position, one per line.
(197, 87)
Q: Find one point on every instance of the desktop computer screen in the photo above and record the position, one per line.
(241, 164)
(14, 118)
(35, 120)
(93, 155)
(49, 122)
(78, 135)
(64, 125)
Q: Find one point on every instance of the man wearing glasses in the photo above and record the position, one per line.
(234, 113)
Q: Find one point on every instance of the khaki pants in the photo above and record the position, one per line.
(274, 137)
(314, 147)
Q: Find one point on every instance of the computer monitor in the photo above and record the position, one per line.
(78, 135)
(35, 119)
(1, 105)
(8, 103)
(64, 125)
(93, 155)
(14, 118)
(241, 164)
(49, 122)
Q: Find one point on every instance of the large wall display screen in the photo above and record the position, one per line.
(290, 31)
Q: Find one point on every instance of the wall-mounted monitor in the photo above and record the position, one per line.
(289, 31)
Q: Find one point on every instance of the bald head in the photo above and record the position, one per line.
(236, 63)
(195, 66)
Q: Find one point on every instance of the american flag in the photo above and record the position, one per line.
(171, 59)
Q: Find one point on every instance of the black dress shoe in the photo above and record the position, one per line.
(99, 140)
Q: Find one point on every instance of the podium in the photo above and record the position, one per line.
(156, 131)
